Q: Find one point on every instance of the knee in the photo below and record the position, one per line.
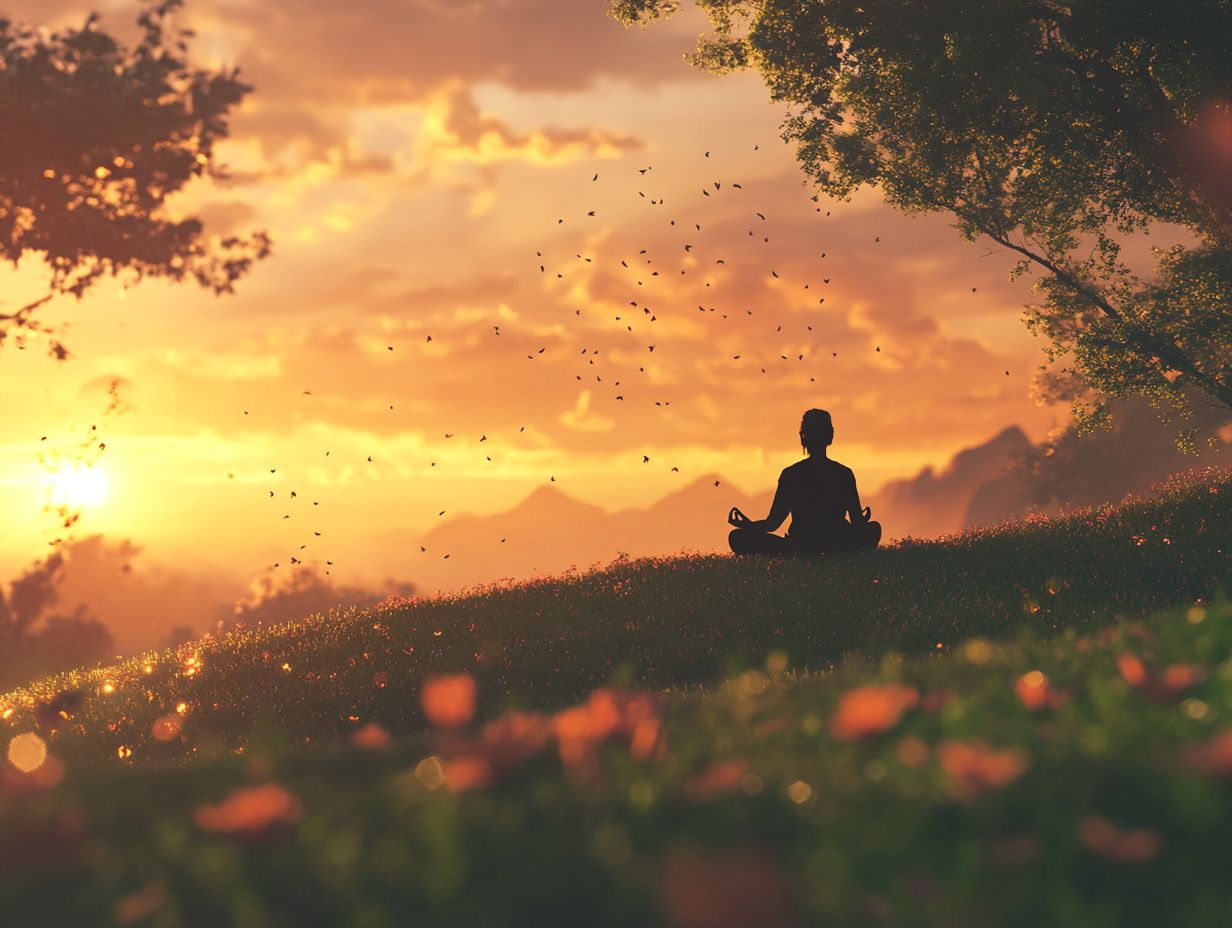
(873, 534)
(736, 539)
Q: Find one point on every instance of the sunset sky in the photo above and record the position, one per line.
(410, 160)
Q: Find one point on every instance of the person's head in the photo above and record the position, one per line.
(816, 431)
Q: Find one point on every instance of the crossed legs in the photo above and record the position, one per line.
(861, 537)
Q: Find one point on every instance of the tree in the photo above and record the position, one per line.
(34, 641)
(94, 137)
(1056, 128)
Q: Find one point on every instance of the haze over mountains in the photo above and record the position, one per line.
(550, 531)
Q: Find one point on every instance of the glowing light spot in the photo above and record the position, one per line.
(449, 701)
(286, 667)
(166, 727)
(147, 668)
(108, 689)
(799, 792)
(181, 707)
(430, 772)
(77, 486)
(101, 172)
(27, 752)
(124, 752)
(6, 714)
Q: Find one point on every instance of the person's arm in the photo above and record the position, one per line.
(779, 510)
(854, 511)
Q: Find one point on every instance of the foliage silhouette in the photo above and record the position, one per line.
(1055, 129)
(94, 137)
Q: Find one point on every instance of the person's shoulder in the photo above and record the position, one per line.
(792, 470)
(843, 469)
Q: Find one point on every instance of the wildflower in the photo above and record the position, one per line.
(250, 812)
(371, 736)
(1213, 758)
(449, 701)
(513, 738)
(468, 771)
(1132, 846)
(719, 779)
(871, 710)
(974, 768)
(1035, 691)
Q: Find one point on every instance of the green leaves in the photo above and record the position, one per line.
(94, 137)
(1049, 128)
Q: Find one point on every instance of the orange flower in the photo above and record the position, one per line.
(1035, 691)
(514, 737)
(1132, 846)
(1213, 758)
(1163, 687)
(974, 767)
(449, 702)
(469, 771)
(371, 737)
(608, 712)
(720, 778)
(1132, 669)
(871, 710)
(250, 811)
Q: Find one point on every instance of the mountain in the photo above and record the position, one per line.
(549, 532)
(932, 503)
(1008, 477)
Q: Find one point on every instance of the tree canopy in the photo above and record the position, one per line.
(1057, 129)
(94, 138)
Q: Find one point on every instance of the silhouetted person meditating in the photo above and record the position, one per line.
(817, 493)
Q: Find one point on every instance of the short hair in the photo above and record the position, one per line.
(816, 430)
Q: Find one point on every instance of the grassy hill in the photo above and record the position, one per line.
(1025, 725)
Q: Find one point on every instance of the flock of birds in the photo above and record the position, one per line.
(642, 270)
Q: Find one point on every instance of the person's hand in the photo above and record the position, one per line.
(867, 513)
(737, 518)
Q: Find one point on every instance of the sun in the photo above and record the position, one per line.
(78, 486)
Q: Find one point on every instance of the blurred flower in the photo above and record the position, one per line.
(250, 811)
(138, 906)
(370, 736)
(513, 738)
(974, 767)
(912, 751)
(871, 710)
(449, 702)
(731, 888)
(719, 779)
(581, 729)
(1214, 757)
(1132, 669)
(469, 771)
(1161, 687)
(1035, 691)
(166, 727)
(1127, 847)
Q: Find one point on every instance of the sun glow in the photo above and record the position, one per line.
(78, 486)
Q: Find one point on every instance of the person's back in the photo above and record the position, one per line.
(819, 492)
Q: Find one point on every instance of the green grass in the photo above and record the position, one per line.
(808, 828)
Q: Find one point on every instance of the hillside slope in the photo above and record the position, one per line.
(651, 622)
